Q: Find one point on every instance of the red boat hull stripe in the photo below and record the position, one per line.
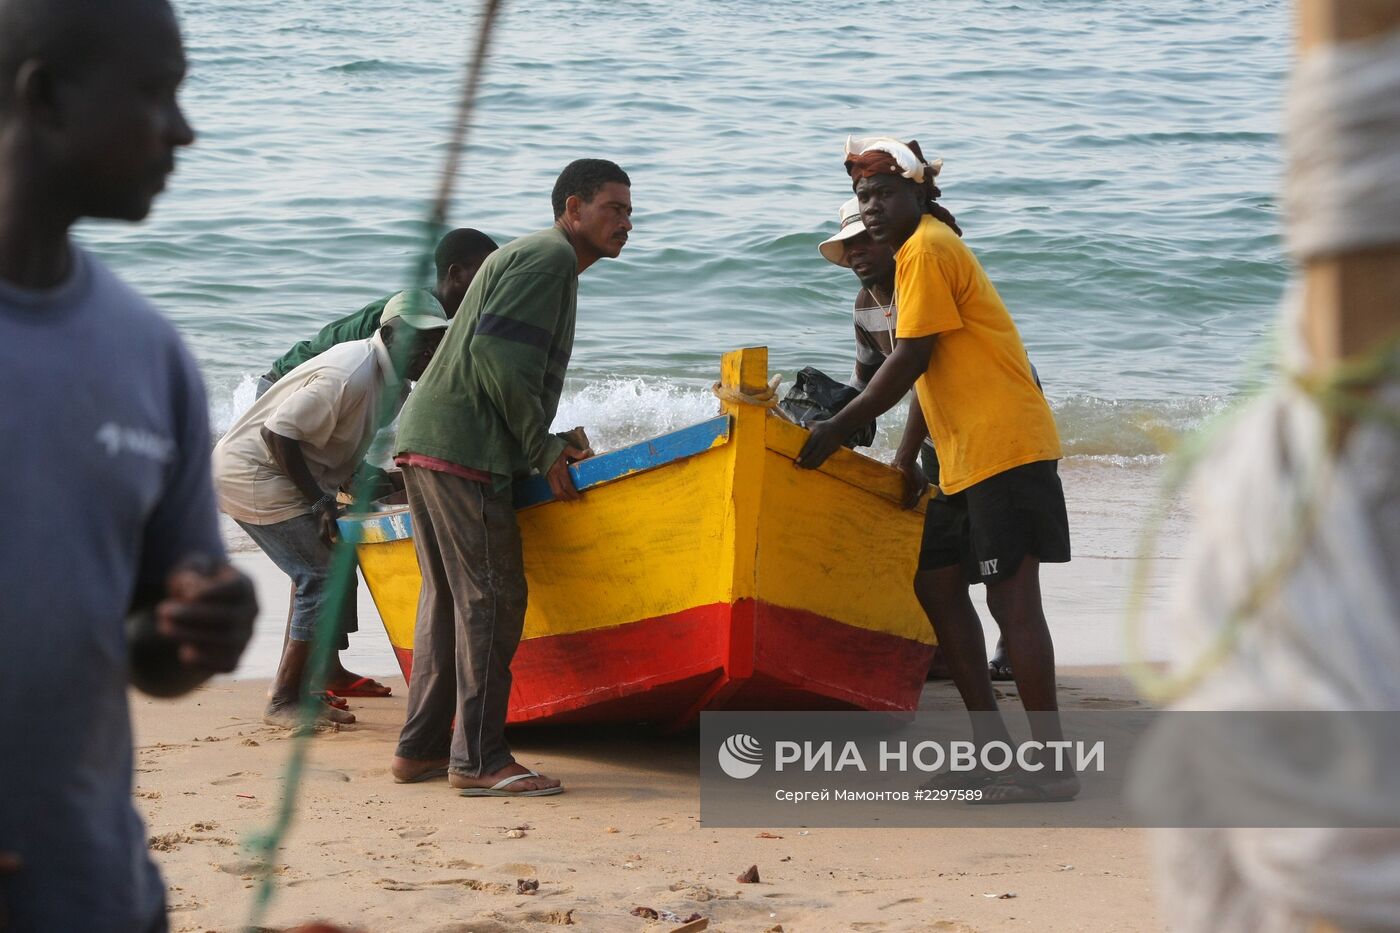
(746, 655)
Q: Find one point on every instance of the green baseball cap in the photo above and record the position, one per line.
(416, 307)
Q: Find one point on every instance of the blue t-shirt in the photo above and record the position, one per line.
(104, 437)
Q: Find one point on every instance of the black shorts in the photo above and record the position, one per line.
(989, 527)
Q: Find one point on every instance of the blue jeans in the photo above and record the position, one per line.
(295, 546)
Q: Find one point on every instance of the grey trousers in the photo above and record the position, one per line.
(471, 611)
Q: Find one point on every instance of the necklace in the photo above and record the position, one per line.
(887, 311)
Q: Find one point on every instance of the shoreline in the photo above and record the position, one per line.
(369, 854)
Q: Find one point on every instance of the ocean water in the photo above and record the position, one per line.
(1115, 167)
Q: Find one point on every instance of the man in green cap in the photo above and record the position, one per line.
(280, 466)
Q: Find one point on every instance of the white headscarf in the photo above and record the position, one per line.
(910, 165)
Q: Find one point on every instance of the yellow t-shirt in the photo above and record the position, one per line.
(984, 411)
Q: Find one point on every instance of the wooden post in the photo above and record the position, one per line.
(745, 370)
(1352, 300)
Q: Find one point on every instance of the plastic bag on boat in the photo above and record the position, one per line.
(815, 396)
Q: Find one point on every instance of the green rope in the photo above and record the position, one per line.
(265, 845)
(1344, 396)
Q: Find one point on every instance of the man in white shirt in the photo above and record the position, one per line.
(278, 469)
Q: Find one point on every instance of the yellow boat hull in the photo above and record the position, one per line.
(702, 570)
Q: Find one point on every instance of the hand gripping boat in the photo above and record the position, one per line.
(701, 570)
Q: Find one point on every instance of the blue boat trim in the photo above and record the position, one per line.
(376, 526)
(648, 455)
(587, 474)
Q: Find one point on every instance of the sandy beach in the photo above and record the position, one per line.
(371, 854)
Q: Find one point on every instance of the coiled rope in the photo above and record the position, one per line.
(1290, 596)
(767, 397)
(1343, 194)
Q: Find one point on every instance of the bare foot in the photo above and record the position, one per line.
(288, 714)
(413, 770)
(535, 783)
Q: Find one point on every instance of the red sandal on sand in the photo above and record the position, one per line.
(363, 687)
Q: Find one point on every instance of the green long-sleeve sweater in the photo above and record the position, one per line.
(358, 326)
(490, 394)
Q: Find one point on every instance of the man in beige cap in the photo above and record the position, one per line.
(874, 312)
(278, 469)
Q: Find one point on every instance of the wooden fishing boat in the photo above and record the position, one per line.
(701, 570)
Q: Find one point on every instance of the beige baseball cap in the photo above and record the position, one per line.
(834, 248)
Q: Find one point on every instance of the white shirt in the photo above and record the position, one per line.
(329, 404)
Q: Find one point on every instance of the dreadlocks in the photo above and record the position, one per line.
(932, 193)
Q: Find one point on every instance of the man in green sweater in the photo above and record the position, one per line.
(458, 256)
(480, 417)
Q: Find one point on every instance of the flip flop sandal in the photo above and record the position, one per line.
(960, 780)
(499, 788)
(363, 687)
(1000, 671)
(1009, 789)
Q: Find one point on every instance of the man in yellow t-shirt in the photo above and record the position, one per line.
(1004, 511)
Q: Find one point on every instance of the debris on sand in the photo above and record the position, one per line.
(652, 913)
(693, 926)
(750, 876)
(167, 842)
(701, 893)
(527, 885)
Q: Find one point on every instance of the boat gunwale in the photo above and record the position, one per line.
(845, 465)
(641, 457)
